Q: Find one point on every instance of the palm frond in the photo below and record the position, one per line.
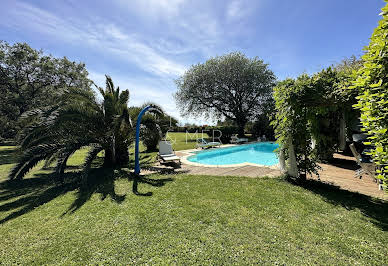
(50, 160)
(124, 97)
(116, 93)
(155, 108)
(30, 158)
(96, 148)
(76, 120)
(63, 156)
(23, 167)
(109, 84)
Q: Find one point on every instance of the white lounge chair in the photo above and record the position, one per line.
(235, 139)
(366, 168)
(166, 153)
(202, 143)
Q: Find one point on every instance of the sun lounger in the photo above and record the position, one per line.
(234, 139)
(202, 143)
(166, 153)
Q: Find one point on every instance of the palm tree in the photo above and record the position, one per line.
(117, 123)
(78, 120)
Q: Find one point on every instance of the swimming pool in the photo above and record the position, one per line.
(261, 153)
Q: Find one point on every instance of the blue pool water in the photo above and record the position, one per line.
(259, 153)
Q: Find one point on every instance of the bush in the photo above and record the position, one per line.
(153, 125)
(150, 136)
(262, 127)
(371, 82)
(152, 130)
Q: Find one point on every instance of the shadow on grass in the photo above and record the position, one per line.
(370, 207)
(146, 159)
(9, 155)
(25, 195)
(143, 179)
(8, 143)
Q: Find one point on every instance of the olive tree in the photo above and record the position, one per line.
(231, 86)
(29, 79)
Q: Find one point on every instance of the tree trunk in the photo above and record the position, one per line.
(119, 158)
(108, 159)
(241, 126)
(122, 156)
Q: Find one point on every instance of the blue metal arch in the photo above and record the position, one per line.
(137, 164)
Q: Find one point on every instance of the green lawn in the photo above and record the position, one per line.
(186, 220)
(183, 141)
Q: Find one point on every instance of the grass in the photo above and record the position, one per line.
(183, 141)
(186, 220)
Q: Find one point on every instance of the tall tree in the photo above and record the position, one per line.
(29, 79)
(231, 86)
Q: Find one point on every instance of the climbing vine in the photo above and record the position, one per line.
(291, 123)
(308, 113)
(371, 83)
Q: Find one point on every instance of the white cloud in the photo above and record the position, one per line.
(238, 9)
(140, 92)
(187, 26)
(234, 10)
(106, 37)
(158, 37)
(128, 47)
(153, 8)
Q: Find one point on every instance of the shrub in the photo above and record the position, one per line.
(371, 81)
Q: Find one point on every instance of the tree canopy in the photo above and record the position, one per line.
(231, 86)
(29, 79)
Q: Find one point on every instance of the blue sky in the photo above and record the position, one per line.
(146, 44)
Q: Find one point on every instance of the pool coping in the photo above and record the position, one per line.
(191, 152)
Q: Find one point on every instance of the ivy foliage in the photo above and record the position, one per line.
(371, 83)
(308, 111)
(291, 122)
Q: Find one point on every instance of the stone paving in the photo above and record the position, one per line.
(340, 173)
